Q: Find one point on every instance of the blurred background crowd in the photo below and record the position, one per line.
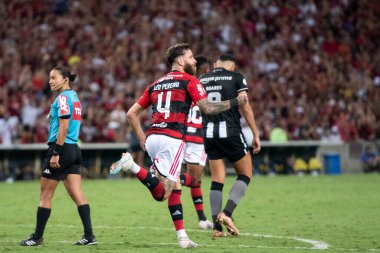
(313, 67)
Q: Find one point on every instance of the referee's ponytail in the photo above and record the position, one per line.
(65, 72)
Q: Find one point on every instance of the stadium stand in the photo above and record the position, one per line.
(315, 64)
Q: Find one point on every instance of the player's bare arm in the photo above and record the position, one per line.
(249, 116)
(212, 108)
(134, 121)
(62, 132)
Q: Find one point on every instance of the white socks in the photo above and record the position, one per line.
(181, 233)
(136, 168)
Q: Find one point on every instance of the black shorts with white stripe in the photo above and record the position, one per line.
(70, 160)
(233, 148)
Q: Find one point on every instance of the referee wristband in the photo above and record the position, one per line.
(57, 149)
(234, 102)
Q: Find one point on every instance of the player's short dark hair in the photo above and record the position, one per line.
(175, 51)
(227, 57)
(201, 60)
(65, 72)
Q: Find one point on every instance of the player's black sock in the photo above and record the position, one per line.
(236, 194)
(175, 209)
(43, 215)
(201, 215)
(84, 213)
(216, 197)
(154, 185)
(217, 225)
(229, 206)
(197, 196)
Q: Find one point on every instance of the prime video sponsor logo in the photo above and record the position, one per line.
(215, 78)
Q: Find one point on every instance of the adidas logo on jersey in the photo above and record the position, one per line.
(178, 212)
(47, 171)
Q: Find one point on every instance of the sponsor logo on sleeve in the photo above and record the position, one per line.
(77, 115)
(63, 106)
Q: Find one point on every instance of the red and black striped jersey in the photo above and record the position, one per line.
(194, 131)
(171, 97)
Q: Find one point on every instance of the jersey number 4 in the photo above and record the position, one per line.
(164, 109)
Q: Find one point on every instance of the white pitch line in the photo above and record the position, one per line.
(316, 245)
(204, 245)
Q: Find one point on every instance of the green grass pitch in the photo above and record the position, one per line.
(278, 214)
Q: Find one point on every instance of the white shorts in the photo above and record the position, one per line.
(195, 153)
(166, 154)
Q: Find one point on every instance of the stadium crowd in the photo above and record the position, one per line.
(313, 67)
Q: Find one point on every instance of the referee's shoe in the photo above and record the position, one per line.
(87, 241)
(31, 241)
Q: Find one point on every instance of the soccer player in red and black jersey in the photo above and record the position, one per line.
(195, 155)
(170, 98)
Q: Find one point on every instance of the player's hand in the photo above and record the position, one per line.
(242, 99)
(142, 143)
(54, 162)
(256, 145)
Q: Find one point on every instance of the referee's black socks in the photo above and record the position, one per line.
(84, 213)
(43, 215)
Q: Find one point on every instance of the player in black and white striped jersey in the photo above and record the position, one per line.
(224, 139)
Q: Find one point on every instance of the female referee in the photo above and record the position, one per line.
(63, 158)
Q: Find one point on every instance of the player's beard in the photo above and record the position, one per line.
(189, 69)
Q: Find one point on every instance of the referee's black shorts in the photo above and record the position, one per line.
(233, 148)
(70, 160)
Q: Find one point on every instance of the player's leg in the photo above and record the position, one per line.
(195, 172)
(159, 186)
(167, 155)
(239, 156)
(218, 174)
(48, 187)
(189, 158)
(176, 212)
(73, 185)
(140, 155)
(243, 169)
(195, 159)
